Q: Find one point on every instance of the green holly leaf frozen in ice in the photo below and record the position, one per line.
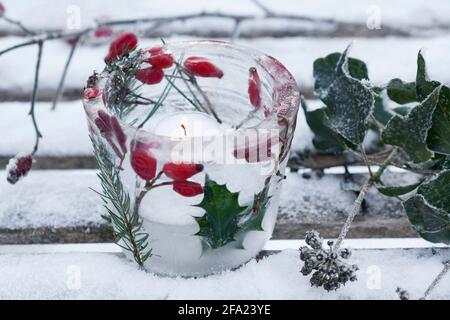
(220, 223)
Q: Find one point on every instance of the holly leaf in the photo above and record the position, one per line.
(349, 102)
(219, 224)
(410, 132)
(402, 92)
(325, 138)
(392, 191)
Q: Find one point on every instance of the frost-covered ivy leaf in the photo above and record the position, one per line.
(219, 224)
(398, 191)
(424, 86)
(429, 209)
(325, 71)
(431, 223)
(437, 191)
(401, 92)
(410, 132)
(438, 138)
(325, 138)
(349, 101)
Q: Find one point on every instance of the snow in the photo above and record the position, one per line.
(111, 276)
(394, 13)
(62, 198)
(386, 58)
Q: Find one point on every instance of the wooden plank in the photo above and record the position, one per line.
(64, 210)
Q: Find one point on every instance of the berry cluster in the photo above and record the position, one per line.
(330, 271)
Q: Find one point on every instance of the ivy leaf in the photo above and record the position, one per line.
(402, 92)
(431, 223)
(437, 191)
(398, 191)
(349, 102)
(325, 71)
(219, 224)
(325, 139)
(429, 209)
(438, 139)
(424, 86)
(380, 112)
(410, 132)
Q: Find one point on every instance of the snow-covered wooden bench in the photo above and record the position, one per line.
(64, 209)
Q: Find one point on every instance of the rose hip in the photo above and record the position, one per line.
(160, 59)
(254, 88)
(202, 67)
(122, 45)
(181, 171)
(187, 188)
(91, 93)
(150, 75)
(143, 163)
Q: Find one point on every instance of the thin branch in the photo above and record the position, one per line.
(236, 31)
(437, 280)
(19, 25)
(60, 88)
(265, 9)
(34, 96)
(362, 194)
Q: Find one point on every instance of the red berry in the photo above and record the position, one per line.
(91, 93)
(2, 9)
(181, 171)
(143, 163)
(123, 44)
(187, 188)
(202, 67)
(18, 167)
(150, 75)
(103, 32)
(254, 88)
(159, 59)
(72, 41)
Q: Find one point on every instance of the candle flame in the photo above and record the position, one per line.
(184, 125)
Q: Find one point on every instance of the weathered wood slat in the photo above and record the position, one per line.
(64, 210)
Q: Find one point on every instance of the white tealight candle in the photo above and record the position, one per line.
(187, 124)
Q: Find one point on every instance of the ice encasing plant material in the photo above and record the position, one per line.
(18, 167)
(254, 88)
(111, 130)
(122, 45)
(202, 67)
(143, 162)
(91, 93)
(181, 171)
(187, 188)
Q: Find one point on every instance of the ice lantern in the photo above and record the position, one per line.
(192, 165)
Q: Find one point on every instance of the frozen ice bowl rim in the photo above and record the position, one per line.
(288, 104)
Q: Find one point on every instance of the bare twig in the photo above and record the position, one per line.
(362, 194)
(236, 31)
(18, 24)
(34, 96)
(60, 88)
(437, 280)
(265, 9)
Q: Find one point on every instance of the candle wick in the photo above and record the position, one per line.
(184, 129)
